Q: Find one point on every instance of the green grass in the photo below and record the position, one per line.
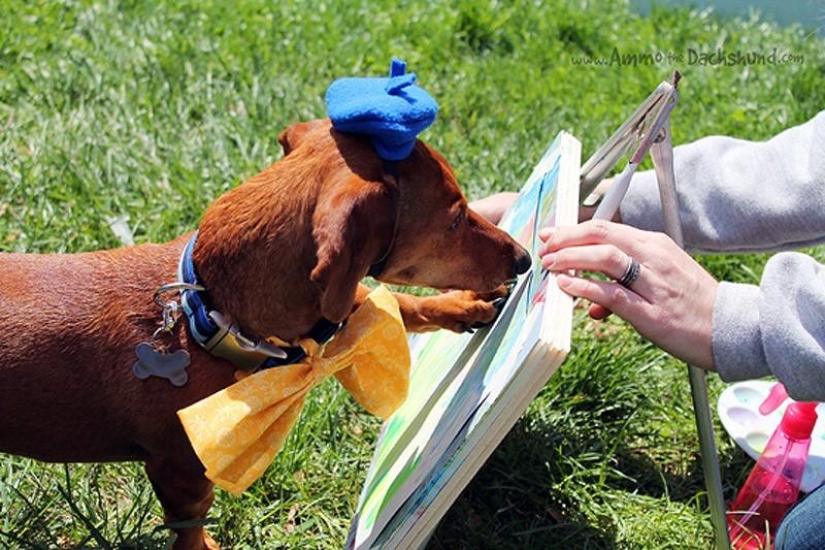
(152, 109)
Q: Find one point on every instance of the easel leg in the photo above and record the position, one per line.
(710, 459)
(662, 154)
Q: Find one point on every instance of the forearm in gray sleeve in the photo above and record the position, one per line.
(776, 328)
(742, 196)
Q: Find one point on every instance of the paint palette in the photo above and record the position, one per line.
(738, 408)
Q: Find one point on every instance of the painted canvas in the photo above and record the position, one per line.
(467, 390)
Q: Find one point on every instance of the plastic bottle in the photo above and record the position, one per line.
(773, 485)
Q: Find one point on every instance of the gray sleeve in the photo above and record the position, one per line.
(742, 196)
(776, 328)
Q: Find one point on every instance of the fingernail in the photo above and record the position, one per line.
(546, 232)
(548, 260)
(563, 280)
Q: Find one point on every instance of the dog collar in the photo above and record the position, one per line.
(220, 336)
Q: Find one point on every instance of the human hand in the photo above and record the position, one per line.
(671, 300)
(494, 206)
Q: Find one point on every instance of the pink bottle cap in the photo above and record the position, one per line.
(798, 420)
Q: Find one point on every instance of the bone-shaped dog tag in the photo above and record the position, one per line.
(151, 362)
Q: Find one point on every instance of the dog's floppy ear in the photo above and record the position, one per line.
(353, 228)
(294, 134)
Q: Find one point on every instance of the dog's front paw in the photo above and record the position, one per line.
(458, 310)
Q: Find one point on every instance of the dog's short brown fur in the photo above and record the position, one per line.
(276, 254)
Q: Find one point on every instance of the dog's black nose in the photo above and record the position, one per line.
(523, 261)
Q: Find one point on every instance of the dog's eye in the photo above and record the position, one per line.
(457, 221)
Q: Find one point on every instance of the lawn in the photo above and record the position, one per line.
(150, 110)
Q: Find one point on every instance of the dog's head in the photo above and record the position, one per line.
(405, 223)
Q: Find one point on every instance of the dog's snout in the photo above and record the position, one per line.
(523, 261)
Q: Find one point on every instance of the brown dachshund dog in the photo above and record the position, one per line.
(276, 254)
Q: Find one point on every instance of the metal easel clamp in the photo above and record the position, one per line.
(643, 128)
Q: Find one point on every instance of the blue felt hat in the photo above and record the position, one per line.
(391, 111)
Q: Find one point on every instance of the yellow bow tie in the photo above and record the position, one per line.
(238, 431)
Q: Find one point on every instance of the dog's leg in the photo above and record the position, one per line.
(457, 310)
(186, 496)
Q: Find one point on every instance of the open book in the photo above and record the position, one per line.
(468, 390)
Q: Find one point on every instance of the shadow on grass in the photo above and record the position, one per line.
(510, 504)
(78, 506)
(154, 541)
(532, 494)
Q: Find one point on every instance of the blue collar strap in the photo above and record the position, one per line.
(222, 338)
